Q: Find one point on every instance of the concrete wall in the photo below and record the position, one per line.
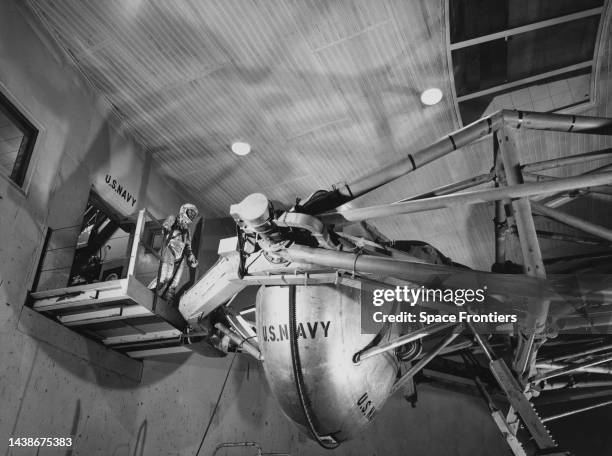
(54, 383)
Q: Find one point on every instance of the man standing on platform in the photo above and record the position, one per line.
(176, 248)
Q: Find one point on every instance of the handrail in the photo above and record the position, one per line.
(136, 241)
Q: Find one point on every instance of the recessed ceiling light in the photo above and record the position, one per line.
(431, 96)
(241, 148)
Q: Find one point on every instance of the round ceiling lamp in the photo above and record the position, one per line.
(431, 96)
(241, 148)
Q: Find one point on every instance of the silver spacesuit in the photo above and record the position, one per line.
(177, 246)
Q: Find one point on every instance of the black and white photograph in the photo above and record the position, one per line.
(305, 227)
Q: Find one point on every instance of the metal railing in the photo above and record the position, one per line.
(138, 255)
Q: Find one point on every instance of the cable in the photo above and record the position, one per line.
(246, 267)
(229, 369)
(326, 441)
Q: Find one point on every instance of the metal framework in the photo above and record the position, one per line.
(510, 191)
(278, 261)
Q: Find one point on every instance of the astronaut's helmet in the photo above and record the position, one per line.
(187, 214)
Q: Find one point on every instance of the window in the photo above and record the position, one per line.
(536, 55)
(17, 138)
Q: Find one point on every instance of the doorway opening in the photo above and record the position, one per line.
(103, 246)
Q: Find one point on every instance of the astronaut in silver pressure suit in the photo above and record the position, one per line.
(176, 248)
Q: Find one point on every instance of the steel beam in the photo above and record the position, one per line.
(527, 28)
(570, 385)
(501, 228)
(454, 187)
(414, 160)
(500, 222)
(402, 340)
(563, 391)
(532, 256)
(574, 222)
(567, 161)
(420, 364)
(528, 80)
(534, 265)
(588, 351)
(420, 273)
(571, 238)
(590, 369)
(574, 367)
(468, 135)
(598, 320)
(556, 122)
(575, 411)
(560, 199)
(472, 197)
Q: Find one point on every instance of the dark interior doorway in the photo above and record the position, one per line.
(103, 246)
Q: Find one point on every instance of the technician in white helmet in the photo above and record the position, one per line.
(177, 246)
